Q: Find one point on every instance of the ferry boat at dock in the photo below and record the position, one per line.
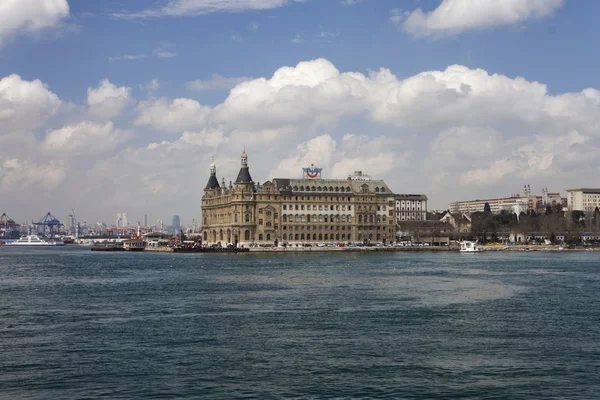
(469, 247)
(35, 240)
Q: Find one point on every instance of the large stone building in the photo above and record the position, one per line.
(583, 199)
(297, 211)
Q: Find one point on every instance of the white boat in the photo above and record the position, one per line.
(35, 240)
(469, 247)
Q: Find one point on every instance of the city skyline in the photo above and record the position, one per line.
(450, 107)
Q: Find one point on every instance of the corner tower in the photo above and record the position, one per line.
(244, 177)
(213, 183)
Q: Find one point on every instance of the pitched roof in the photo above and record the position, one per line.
(244, 176)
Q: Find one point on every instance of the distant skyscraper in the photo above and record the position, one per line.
(176, 223)
(145, 220)
(121, 220)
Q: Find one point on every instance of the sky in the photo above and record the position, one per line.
(114, 106)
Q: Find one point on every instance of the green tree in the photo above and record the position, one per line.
(487, 208)
(552, 238)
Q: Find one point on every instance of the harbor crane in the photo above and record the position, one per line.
(48, 226)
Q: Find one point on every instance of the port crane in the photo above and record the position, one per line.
(48, 226)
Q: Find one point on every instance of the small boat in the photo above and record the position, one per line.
(469, 247)
(35, 240)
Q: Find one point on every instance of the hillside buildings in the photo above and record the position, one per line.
(516, 203)
(583, 199)
(301, 211)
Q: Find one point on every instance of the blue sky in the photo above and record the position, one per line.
(132, 43)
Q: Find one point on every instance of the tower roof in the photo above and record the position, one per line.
(213, 183)
(244, 175)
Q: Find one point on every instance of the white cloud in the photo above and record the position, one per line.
(206, 138)
(253, 26)
(178, 116)
(297, 39)
(217, 82)
(192, 8)
(455, 16)
(127, 57)
(85, 138)
(25, 105)
(18, 174)
(108, 101)
(164, 50)
(30, 16)
(453, 134)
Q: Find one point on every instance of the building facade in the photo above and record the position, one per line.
(515, 204)
(583, 199)
(411, 207)
(311, 210)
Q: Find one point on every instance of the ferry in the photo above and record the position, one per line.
(469, 247)
(35, 240)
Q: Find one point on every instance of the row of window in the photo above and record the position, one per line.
(314, 228)
(319, 218)
(315, 237)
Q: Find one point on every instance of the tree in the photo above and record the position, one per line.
(487, 208)
(548, 210)
(552, 238)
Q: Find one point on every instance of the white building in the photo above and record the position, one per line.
(515, 204)
(411, 207)
(583, 199)
(121, 220)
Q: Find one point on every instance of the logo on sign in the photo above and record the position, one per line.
(312, 172)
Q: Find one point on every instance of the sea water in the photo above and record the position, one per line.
(80, 324)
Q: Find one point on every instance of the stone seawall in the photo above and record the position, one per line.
(349, 249)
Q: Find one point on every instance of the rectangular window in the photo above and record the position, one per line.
(285, 207)
(260, 221)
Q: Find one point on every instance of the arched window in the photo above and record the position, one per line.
(360, 219)
(326, 218)
(204, 220)
(325, 188)
(379, 219)
(247, 235)
(235, 218)
(303, 218)
(290, 218)
(337, 237)
(343, 236)
(205, 236)
(331, 188)
(302, 188)
(382, 189)
(343, 218)
(314, 236)
(284, 218)
(337, 189)
(349, 219)
(297, 218)
(313, 188)
(376, 190)
(268, 236)
(347, 189)
(371, 218)
(320, 218)
(319, 188)
(260, 237)
(320, 236)
(285, 236)
(384, 218)
(337, 219)
(314, 217)
(295, 188)
(221, 234)
(308, 218)
(349, 237)
(297, 236)
(378, 236)
(349, 208)
(302, 237)
(247, 217)
(326, 237)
